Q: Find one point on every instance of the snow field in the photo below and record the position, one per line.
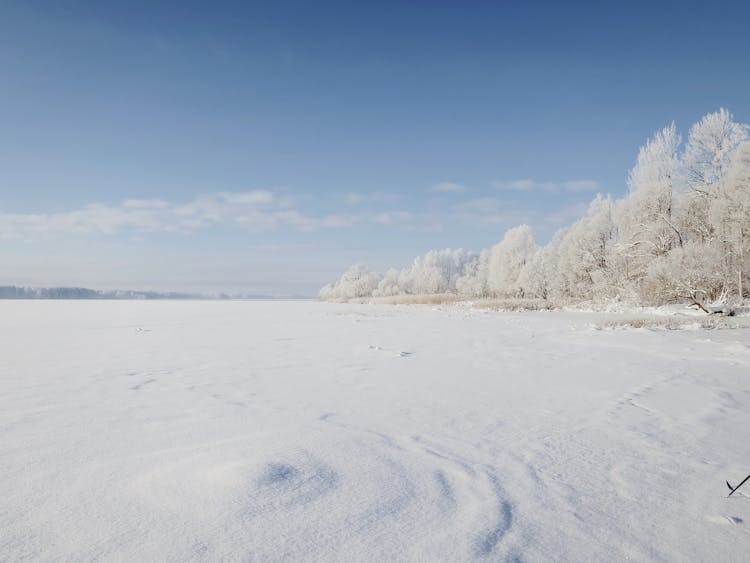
(270, 431)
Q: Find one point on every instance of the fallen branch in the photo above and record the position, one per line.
(726, 311)
(698, 303)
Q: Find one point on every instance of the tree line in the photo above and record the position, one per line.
(682, 232)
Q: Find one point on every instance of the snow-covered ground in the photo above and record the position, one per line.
(268, 431)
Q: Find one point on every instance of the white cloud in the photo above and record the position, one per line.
(284, 248)
(567, 215)
(145, 204)
(490, 211)
(254, 211)
(393, 217)
(356, 198)
(580, 185)
(257, 197)
(306, 223)
(480, 205)
(448, 187)
(527, 185)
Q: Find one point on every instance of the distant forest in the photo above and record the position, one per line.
(15, 292)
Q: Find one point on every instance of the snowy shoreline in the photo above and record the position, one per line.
(613, 314)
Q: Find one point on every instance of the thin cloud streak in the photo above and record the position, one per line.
(448, 187)
(254, 211)
(527, 185)
(490, 211)
(567, 215)
(357, 198)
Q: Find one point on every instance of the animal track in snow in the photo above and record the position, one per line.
(398, 354)
(141, 385)
(717, 519)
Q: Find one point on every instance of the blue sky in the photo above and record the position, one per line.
(263, 147)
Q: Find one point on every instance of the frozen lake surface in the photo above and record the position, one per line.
(267, 431)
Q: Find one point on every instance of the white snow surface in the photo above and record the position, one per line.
(304, 431)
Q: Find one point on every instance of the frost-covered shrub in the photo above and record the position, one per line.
(694, 270)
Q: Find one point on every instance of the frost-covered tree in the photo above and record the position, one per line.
(356, 282)
(585, 265)
(730, 216)
(506, 260)
(681, 231)
(646, 224)
(424, 277)
(435, 272)
(539, 275)
(389, 285)
(709, 151)
(473, 283)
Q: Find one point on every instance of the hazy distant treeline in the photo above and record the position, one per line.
(682, 230)
(15, 292)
